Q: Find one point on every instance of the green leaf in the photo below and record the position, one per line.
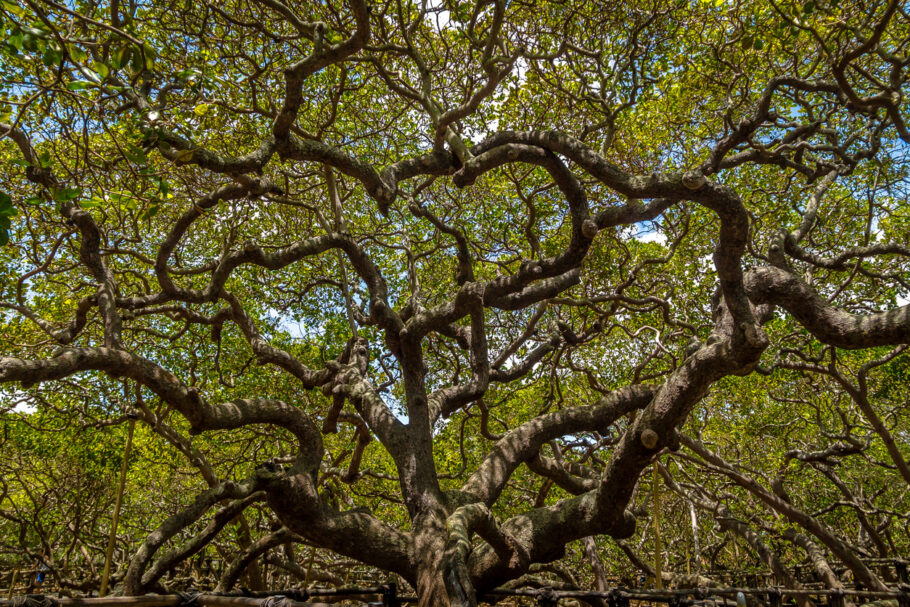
(7, 209)
(77, 54)
(92, 76)
(121, 56)
(67, 194)
(52, 57)
(14, 8)
(151, 211)
(124, 200)
(34, 31)
(102, 70)
(185, 156)
(186, 74)
(150, 52)
(136, 155)
(15, 40)
(136, 62)
(78, 85)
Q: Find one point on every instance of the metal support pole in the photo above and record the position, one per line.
(836, 599)
(774, 598)
(547, 597)
(390, 595)
(900, 568)
(109, 554)
(617, 598)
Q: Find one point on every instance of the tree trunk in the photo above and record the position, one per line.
(440, 581)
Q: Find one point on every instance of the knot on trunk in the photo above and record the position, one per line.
(589, 229)
(693, 180)
(649, 438)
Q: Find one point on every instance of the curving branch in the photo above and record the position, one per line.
(830, 325)
(139, 577)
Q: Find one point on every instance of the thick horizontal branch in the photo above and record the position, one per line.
(187, 400)
(830, 325)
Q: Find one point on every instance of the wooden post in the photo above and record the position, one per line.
(12, 583)
(696, 549)
(309, 567)
(109, 554)
(658, 573)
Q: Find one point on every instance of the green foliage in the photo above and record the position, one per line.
(136, 121)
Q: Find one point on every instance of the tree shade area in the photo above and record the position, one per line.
(454, 293)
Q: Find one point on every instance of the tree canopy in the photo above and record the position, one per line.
(429, 286)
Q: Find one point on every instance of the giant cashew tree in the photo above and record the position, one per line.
(448, 251)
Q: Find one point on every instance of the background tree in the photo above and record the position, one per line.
(429, 286)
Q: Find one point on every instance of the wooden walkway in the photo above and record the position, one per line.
(387, 596)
